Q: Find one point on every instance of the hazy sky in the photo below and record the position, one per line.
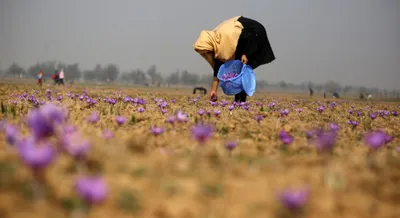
(351, 41)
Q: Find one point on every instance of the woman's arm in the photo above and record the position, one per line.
(217, 65)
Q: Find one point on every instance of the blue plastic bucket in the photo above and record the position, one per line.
(234, 77)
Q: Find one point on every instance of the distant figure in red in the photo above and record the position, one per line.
(55, 77)
(40, 78)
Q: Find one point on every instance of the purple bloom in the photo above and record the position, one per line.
(75, 145)
(285, 137)
(334, 127)
(325, 141)
(294, 200)
(108, 134)
(140, 110)
(299, 110)
(12, 134)
(201, 112)
(372, 116)
(202, 132)
(36, 156)
(284, 112)
(231, 145)
(173, 100)
(93, 118)
(230, 108)
(353, 123)
(92, 189)
(321, 109)
(68, 129)
(163, 111)
(54, 113)
(157, 130)
(350, 111)
(171, 119)
(394, 113)
(217, 112)
(259, 118)
(223, 103)
(375, 140)
(120, 120)
(39, 124)
(181, 117)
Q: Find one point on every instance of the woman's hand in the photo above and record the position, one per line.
(213, 95)
(244, 59)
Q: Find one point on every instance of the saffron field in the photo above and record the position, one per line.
(108, 152)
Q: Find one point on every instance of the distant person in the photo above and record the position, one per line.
(61, 77)
(238, 38)
(324, 94)
(311, 92)
(336, 95)
(55, 77)
(40, 78)
(362, 96)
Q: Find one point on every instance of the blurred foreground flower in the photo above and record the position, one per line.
(202, 132)
(325, 141)
(36, 155)
(43, 121)
(12, 134)
(285, 137)
(259, 118)
(294, 200)
(92, 189)
(120, 120)
(93, 118)
(108, 134)
(231, 145)
(375, 140)
(157, 130)
(75, 145)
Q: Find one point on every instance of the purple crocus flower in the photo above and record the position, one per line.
(350, 111)
(202, 132)
(75, 145)
(92, 189)
(285, 137)
(231, 145)
(201, 112)
(259, 118)
(181, 117)
(294, 200)
(54, 113)
(299, 110)
(108, 134)
(223, 103)
(325, 141)
(120, 120)
(173, 100)
(93, 118)
(140, 110)
(375, 140)
(334, 127)
(284, 112)
(321, 109)
(39, 124)
(217, 112)
(157, 130)
(171, 119)
(36, 156)
(353, 123)
(394, 113)
(372, 116)
(230, 108)
(12, 134)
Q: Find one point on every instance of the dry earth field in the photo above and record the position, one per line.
(173, 175)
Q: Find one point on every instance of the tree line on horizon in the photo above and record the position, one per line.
(110, 73)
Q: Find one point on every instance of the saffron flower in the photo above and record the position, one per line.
(157, 130)
(285, 137)
(202, 132)
(92, 189)
(93, 118)
(120, 120)
(294, 199)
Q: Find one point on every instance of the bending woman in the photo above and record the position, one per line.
(238, 38)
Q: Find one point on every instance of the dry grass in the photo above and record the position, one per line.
(171, 176)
